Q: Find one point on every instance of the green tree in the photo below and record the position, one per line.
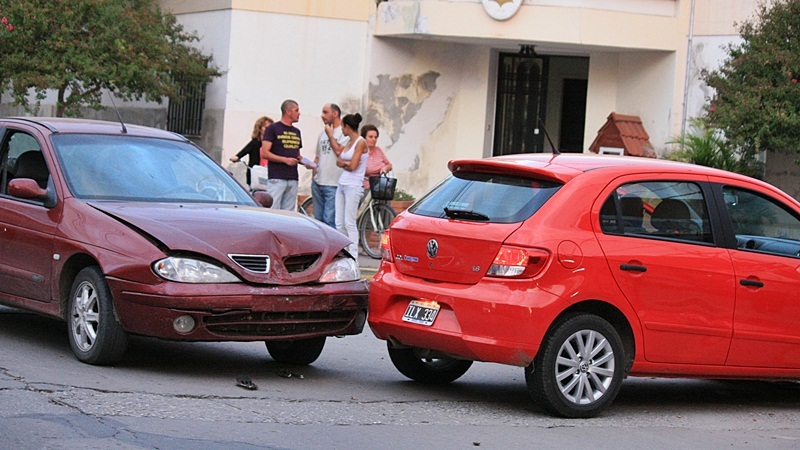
(757, 98)
(81, 48)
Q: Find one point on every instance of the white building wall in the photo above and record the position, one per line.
(645, 89)
(601, 93)
(274, 57)
(429, 101)
(215, 33)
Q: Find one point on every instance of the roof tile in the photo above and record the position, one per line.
(624, 131)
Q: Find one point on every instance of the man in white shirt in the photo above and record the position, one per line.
(330, 144)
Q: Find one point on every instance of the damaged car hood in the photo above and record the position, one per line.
(220, 231)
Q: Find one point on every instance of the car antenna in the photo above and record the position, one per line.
(119, 116)
(555, 150)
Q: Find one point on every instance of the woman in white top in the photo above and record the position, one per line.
(353, 160)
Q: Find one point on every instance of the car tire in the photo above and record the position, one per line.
(440, 370)
(564, 381)
(95, 335)
(299, 352)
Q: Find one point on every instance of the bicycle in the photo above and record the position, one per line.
(374, 218)
(373, 221)
(307, 207)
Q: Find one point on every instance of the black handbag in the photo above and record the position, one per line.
(382, 187)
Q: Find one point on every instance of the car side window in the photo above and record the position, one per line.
(762, 224)
(22, 158)
(663, 209)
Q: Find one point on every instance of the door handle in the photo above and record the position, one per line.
(751, 283)
(632, 268)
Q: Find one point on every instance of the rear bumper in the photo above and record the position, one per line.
(491, 321)
(239, 312)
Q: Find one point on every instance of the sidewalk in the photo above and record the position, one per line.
(368, 265)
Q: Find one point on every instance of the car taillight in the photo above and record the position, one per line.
(386, 247)
(517, 262)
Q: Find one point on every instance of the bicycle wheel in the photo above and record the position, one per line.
(307, 207)
(371, 226)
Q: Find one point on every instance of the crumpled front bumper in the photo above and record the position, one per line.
(241, 312)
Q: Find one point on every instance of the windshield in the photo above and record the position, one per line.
(486, 197)
(100, 167)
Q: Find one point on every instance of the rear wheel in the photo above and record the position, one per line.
(418, 366)
(579, 369)
(94, 333)
(372, 225)
(300, 352)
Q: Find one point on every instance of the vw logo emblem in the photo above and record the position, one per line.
(433, 248)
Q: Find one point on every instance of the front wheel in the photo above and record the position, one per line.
(300, 352)
(94, 333)
(579, 369)
(307, 207)
(371, 226)
(418, 366)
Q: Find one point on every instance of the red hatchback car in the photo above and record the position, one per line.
(584, 269)
(121, 229)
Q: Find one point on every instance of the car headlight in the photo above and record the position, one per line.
(341, 269)
(188, 270)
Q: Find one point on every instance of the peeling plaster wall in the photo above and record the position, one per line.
(708, 53)
(428, 101)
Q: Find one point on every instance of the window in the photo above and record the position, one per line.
(663, 209)
(761, 224)
(185, 113)
(486, 197)
(22, 158)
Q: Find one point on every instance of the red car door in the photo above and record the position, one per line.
(767, 266)
(27, 228)
(680, 284)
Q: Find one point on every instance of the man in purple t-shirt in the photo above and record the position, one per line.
(281, 146)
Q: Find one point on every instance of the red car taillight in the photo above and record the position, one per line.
(386, 247)
(518, 262)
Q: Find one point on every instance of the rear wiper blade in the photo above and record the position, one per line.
(465, 214)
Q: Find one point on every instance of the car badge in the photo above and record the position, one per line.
(433, 248)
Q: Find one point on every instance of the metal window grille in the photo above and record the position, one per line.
(521, 89)
(185, 112)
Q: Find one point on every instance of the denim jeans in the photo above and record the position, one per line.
(283, 192)
(347, 201)
(324, 199)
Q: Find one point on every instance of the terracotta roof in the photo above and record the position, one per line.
(622, 131)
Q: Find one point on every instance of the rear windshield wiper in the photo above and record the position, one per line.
(464, 214)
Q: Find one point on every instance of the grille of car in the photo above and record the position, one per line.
(253, 263)
(279, 323)
(300, 263)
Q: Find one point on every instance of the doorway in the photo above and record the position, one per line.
(539, 99)
(521, 88)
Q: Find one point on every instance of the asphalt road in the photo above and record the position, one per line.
(167, 395)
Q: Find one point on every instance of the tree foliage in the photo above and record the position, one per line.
(81, 48)
(707, 146)
(757, 98)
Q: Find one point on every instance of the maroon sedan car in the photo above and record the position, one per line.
(121, 230)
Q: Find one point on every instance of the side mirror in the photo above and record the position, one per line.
(263, 198)
(28, 189)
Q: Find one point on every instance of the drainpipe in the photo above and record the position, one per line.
(688, 70)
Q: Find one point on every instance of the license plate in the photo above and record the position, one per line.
(421, 312)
